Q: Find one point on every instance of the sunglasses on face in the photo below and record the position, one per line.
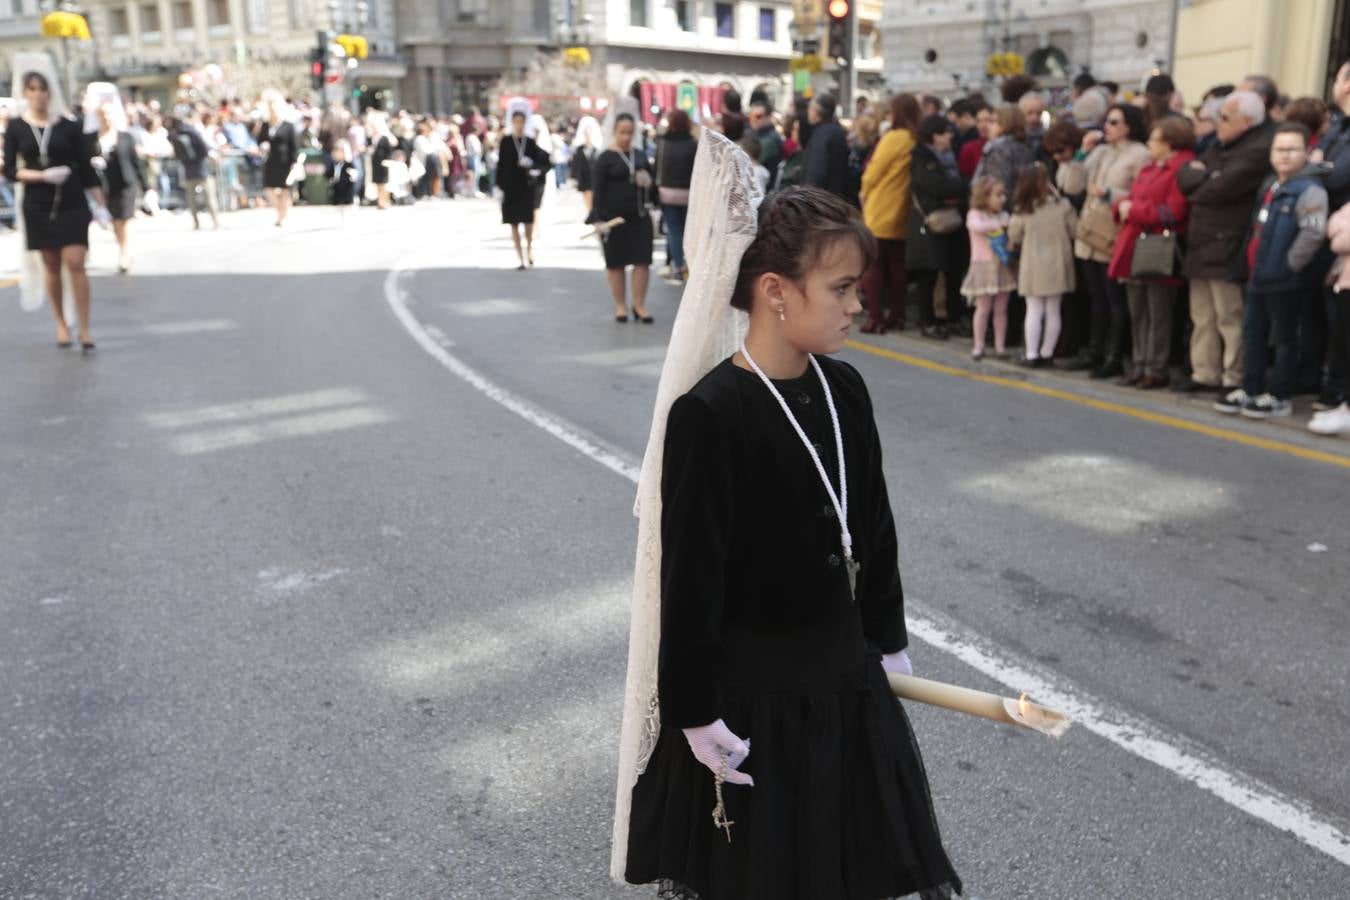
(1115, 121)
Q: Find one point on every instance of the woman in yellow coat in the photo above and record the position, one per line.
(885, 203)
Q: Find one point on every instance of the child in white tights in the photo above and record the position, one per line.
(1042, 227)
(989, 280)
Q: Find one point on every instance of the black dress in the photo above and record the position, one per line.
(758, 628)
(583, 160)
(282, 153)
(518, 182)
(54, 216)
(383, 152)
(617, 194)
(123, 177)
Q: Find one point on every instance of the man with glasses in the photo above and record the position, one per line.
(770, 141)
(1222, 189)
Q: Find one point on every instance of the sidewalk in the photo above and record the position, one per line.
(1197, 407)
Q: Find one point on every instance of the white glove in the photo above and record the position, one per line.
(721, 751)
(99, 163)
(102, 216)
(898, 663)
(56, 174)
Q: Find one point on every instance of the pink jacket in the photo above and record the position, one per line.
(1338, 229)
(981, 224)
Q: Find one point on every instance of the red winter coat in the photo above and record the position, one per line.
(1156, 203)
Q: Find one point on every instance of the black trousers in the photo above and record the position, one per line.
(1339, 365)
(925, 282)
(1109, 315)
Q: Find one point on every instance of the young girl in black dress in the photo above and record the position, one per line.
(781, 765)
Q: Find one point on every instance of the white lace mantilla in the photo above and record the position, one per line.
(724, 200)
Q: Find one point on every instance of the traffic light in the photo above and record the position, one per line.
(839, 39)
(318, 58)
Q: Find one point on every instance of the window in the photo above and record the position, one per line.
(725, 14)
(637, 13)
(182, 15)
(255, 13)
(217, 12)
(684, 14)
(150, 25)
(768, 24)
(119, 23)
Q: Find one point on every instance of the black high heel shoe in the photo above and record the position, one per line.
(645, 320)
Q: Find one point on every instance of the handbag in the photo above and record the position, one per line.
(297, 172)
(945, 220)
(1156, 255)
(1097, 228)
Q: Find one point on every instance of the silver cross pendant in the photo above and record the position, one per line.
(852, 566)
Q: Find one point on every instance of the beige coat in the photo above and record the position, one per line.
(1044, 239)
(1112, 167)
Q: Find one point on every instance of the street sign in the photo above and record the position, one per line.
(332, 77)
(809, 62)
(801, 81)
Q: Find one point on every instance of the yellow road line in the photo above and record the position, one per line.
(1223, 434)
(8, 282)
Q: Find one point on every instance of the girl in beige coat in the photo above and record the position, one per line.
(1103, 169)
(1042, 227)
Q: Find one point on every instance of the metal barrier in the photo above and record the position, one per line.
(236, 180)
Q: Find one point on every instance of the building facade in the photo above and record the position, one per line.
(144, 45)
(459, 49)
(1299, 44)
(940, 46)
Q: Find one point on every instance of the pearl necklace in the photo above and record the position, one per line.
(840, 499)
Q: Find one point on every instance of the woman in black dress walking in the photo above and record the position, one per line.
(768, 758)
(123, 175)
(521, 164)
(282, 152)
(47, 154)
(382, 151)
(623, 181)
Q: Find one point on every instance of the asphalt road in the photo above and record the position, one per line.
(293, 609)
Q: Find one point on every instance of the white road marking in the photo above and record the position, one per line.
(564, 431)
(278, 429)
(1143, 739)
(254, 409)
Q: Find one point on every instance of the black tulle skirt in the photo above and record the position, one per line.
(840, 808)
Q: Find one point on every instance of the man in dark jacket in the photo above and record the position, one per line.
(1221, 187)
(827, 151)
(770, 142)
(191, 150)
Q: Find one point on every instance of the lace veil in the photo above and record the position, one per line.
(724, 199)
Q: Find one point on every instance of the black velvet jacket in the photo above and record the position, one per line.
(749, 535)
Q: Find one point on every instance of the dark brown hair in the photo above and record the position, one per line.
(678, 122)
(1296, 128)
(1177, 132)
(1308, 110)
(1033, 189)
(30, 77)
(1062, 135)
(797, 227)
(905, 113)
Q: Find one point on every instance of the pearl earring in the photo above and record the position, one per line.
(782, 316)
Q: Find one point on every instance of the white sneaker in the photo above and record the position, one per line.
(1332, 422)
